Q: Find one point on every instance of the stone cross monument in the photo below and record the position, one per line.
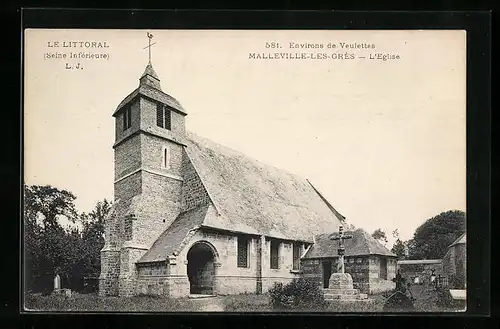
(341, 248)
(340, 285)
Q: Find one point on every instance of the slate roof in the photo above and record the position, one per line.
(254, 198)
(172, 237)
(460, 240)
(361, 244)
(150, 71)
(150, 91)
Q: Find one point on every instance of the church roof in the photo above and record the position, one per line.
(361, 244)
(254, 198)
(172, 237)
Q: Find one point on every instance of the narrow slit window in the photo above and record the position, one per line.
(166, 157)
(243, 243)
(275, 246)
(127, 118)
(159, 116)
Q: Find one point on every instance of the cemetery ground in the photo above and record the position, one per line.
(425, 301)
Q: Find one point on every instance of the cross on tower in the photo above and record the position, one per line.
(150, 36)
(341, 249)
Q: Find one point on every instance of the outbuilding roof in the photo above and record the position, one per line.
(361, 243)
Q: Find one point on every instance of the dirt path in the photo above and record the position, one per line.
(209, 304)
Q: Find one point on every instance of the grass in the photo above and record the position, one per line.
(425, 301)
(94, 303)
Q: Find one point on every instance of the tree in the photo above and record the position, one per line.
(399, 249)
(50, 249)
(45, 239)
(432, 238)
(380, 235)
(93, 238)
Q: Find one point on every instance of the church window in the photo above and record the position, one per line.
(297, 248)
(127, 118)
(166, 157)
(163, 116)
(159, 115)
(243, 243)
(275, 247)
(167, 118)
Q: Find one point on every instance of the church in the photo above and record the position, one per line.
(191, 216)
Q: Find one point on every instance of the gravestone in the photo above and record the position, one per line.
(401, 299)
(57, 283)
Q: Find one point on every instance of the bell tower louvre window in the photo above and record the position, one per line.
(163, 116)
(127, 118)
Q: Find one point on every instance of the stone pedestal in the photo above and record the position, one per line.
(340, 287)
(340, 281)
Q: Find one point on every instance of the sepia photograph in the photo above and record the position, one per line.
(184, 170)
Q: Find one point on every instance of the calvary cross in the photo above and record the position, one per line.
(150, 36)
(341, 248)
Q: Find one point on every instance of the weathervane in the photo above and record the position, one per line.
(341, 248)
(150, 36)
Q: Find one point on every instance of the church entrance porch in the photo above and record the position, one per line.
(201, 267)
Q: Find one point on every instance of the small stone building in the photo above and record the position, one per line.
(420, 270)
(455, 260)
(371, 265)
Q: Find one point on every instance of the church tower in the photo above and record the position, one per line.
(148, 148)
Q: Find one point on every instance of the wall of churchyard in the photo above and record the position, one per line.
(422, 271)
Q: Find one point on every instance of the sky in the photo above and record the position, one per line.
(383, 141)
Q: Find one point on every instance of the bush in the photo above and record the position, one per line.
(457, 281)
(444, 298)
(298, 294)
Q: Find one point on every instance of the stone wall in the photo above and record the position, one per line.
(229, 278)
(455, 261)
(193, 191)
(135, 121)
(127, 156)
(153, 279)
(376, 283)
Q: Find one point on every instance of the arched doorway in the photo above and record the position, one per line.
(201, 258)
